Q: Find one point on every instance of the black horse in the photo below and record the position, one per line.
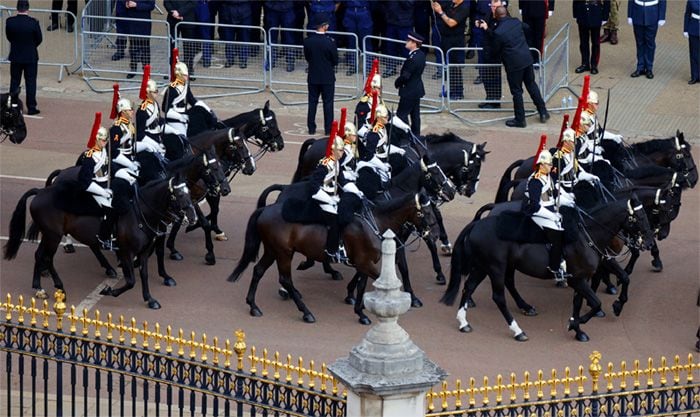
(482, 251)
(12, 124)
(155, 205)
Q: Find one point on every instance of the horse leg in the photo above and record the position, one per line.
(523, 305)
(306, 264)
(143, 272)
(602, 274)
(127, 261)
(258, 271)
(160, 259)
(622, 278)
(284, 267)
(498, 295)
(574, 321)
(359, 305)
(582, 288)
(39, 267)
(446, 246)
(473, 280)
(633, 260)
(440, 277)
(68, 245)
(328, 269)
(209, 258)
(656, 263)
(352, 285)
(104, 263)
(403, 269)
(214, 217)
(174, 254)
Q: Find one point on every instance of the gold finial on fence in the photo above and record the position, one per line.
(253, 361)
(20, 309)
(430, 395)
(98, 324)
(205, 348)
(691, 365)
(499, 389)
(300, 374)
(553, 384)
(595, 368)
(121, 329)
(73, 318)
(580, 380)
(458, 393)
(288, 369)
(156, 338)
(133, 330)
(539, 384)
(610, 376)
(334, 390)
(312, 375)
(662, 371)
(45, 313)
(227, 355)
(169, 340)
(32, 311)
(8, 307)
(472, 392)
(265, 363)
(85, 321)
(59, 307)
(193, 346)
(110, 326)
(276, 366)
(567, 381)
(635, 372)
(513, 387)
(526, 386)
(216, 351)
(324, 372)
(443, 395)
(485, 390)
(239, 347)
(650, 371)
(180, 342)
(146, 335)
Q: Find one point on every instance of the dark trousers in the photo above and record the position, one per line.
(456, 81)
(189, 47)
(30, 72)
(326, 92)
(536, 38)
(358, 22)
(237, 35)
(694, 48)
(282, 20)
(645, 38)
(139, 51)
(71, 7)
(515, 83)
(589, 45)
(409, 106)
(556, 238)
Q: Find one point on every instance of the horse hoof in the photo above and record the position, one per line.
(440, 278)
(110, 272)
(309, 318)
(600, 313)
(176, 256)
(283, 293)
(530, 312)
(466, 329)
(304, 265)
(210, 259)
(416, 303)
(582, 337)
(350, 300)
(657, 266)
(221, 237)
(169, 282)
(522, 337)
(336, 276)
(471, 303)
(255, 312)
(446, 249)
(41, 294)
(617, 308)
(106, 291)
(154, 305)
(364, 321)
(611, 290)
(69, 248)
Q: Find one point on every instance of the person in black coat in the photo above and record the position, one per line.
(410, 82)
(511, 46)
(24, 34)
(71, 7)
(489, 75)
(139, 46)
(183, 11)
(590, 16)
(321, 53)
(535, 14)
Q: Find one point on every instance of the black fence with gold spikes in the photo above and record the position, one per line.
(61, 362)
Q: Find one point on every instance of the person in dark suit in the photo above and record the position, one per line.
(24, 34)
(691, 30)
(398, 15)
(489, 75)
(535, 14)
(57, 5)
(183, 11)
(511, 46)
(321, 53)
(590, 15)
(452, 21)
(139, 46)
(235, 13)
(410, 82)
(646, 17)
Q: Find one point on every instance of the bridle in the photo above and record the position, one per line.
(238, 149)
(436, 188)
(177, 193)
(265, 135)
(471, 165)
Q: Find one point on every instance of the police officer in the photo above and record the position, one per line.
(691, 30)
(535, 14)
(326, 9)
(183, 11)
(646, 17)
(321, 53)
(239, 13)
(24, 34)
(93, 176)
(590, 15)
(410, 82)
(451, 24)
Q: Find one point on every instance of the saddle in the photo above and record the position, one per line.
(71, 199)
(516, 226)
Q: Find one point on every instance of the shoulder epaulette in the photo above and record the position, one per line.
(377, 127)
(327, 160)
(537, 175)
(88, 153)
(176, 83)
(145, 103)
(559, 153)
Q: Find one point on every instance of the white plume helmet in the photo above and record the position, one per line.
(350, 129)
(381, 111)
(544, 158)
(123, 104)
(592, 97)
(569, 135)
(181, 70)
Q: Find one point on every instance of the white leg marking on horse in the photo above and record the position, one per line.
(515, 328)
(462, 317)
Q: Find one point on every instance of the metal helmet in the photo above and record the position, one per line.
(592, 97)
(544, 158)
(350, 129)
(123, 104)
(338, 144)
(102, 133)
(381, 111)
(586, 120)
(181, 70)
(152, 87)
(569, 135)
(376, 81)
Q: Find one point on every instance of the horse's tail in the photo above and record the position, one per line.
(459, 265)
(262, 200)
(33, 232)
(482, 210)
(252, 245)
(19, 218)
(502, 193)
(304, 147)
(52, 176)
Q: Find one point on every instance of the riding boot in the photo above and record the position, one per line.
(556, 238)
(332, 238)
(106, 236)
(606, 36)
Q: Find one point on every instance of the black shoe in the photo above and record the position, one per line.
(478, 80)
(594, 70)
(650, 74)
(637, 73)
(290, 67)
(228, 64)
(489, 105)
(582, 68)
(32, 112)
(130, 75)
(515, 123)
(243, 65)
(436, 75)
(693, 81)
(470, 54)
(312, 131)
(117, 56)
(69, 29)
(52, 27)
(544, 117)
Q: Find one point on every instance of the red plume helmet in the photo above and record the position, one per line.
(343, 118)
(143, 94)
(115, 98)
(375, 101)
(334, 133)
(92, 140)
(175, 59)
(375, 70)
(564, 125)
(582, 102)
(542, 147)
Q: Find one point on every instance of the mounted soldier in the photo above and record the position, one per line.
(93, 176)
(363, 109)
(374, 156)
(150, 151)
(351, 197)
(568, 170)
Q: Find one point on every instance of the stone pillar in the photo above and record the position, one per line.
(387, 375)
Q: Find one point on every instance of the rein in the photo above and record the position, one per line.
(144, 222)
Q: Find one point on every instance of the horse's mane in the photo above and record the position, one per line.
(384, 207)
(653, 145)
(443, 138)
(245, 118)
(648, 171)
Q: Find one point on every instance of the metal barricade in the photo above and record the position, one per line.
(556, 65)
(111, 56)
(236, 66)
(481, 81)
(389, 65)
(286, 79)
(59, 48)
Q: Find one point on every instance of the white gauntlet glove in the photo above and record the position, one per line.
(397, 122)
(584, 176)
(94, 188)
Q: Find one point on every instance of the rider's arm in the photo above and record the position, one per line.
(532, 203)
(86, 173)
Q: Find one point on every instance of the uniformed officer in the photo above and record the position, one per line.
(568, 170)
(149, 130)
(138, 13)
(363, 109)
(646, 17)
(24, 35)
(326, 9)
(535, 14)
(280, 13)
(357, 19)
(321, 53)
(176, 100)
(590, 15)
(691, 30)
(93, 176)
(410, 82)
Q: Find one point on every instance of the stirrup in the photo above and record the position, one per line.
(108, 244)
(560, 275)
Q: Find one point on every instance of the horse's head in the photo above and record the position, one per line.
(212, 172)
(636, 225)
(237, 154)
(435, 182)
(12, 124)
(467, 180)
(181, 201)
(424, 218)
(683, 162)
(266, 131)
(662, 211)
